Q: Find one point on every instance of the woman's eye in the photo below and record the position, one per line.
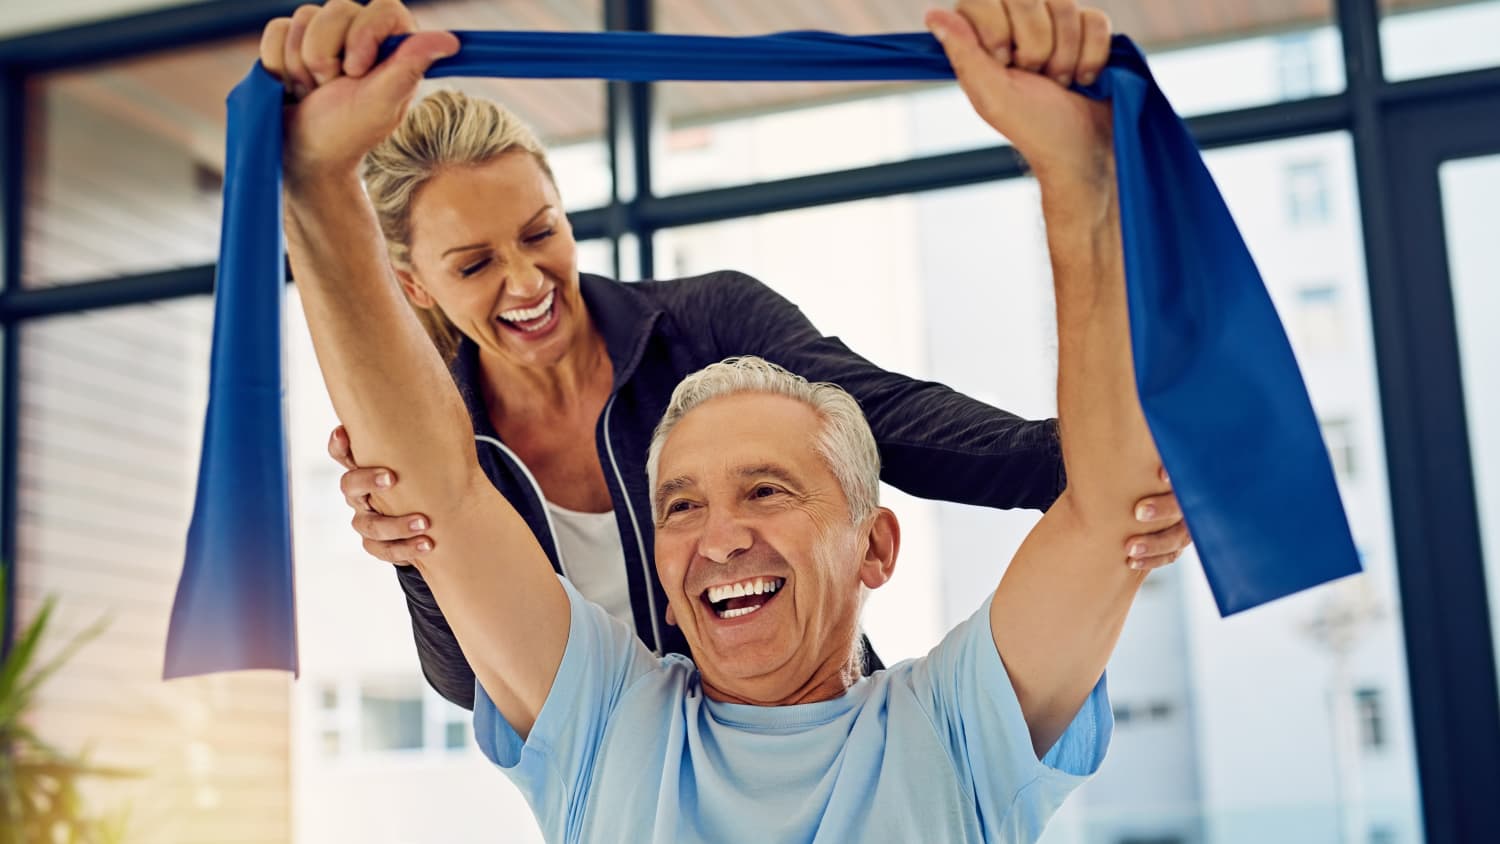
(678, 507)
(473, 268)
(539, 237)
(765, 491)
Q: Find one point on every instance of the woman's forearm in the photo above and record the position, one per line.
(386, 380)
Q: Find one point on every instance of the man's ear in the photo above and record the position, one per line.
(671, 616)
(882, 544)
(414, 290)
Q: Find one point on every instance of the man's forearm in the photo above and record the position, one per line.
(386, 380)
(1059, 610)
(1107, 449)
(400, 405)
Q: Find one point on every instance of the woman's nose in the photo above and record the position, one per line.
(525, 280)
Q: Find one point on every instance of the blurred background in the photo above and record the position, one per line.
(1357, 143)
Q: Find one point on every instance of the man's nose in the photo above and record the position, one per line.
(725, 536)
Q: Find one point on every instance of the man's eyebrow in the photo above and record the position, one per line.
(768, 470)
(471, 246)
(666, 489)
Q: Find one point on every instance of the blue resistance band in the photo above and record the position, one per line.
(1221, 390)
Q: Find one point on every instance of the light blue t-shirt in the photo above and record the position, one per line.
(628, 748)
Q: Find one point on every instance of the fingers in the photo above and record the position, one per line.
(1163, 543)
(358, 484)
(273, 47)
(316, 44)
(394, 539)
(1054, 37)
(982, 77)
(1158, 510)
(323, 41)
(1067, 37)
(398, 553)
(1031, 27)
(395, 80)
(381, 528)
(339, 449)
(1154, 563)
(1093, 53)
(295, 74)
(991, 25)
(376, 22)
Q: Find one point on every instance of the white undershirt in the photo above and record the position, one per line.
(594, 559)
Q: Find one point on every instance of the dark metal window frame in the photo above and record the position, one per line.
(1456, 714)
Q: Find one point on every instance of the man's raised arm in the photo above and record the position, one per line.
(387, 382)
(1059, 609)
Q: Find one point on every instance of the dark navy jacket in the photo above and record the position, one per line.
(934, 442)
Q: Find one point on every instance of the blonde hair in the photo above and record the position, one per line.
(845, 441)
(444, 129)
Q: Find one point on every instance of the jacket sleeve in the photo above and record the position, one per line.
(934, 442)
(443, 663)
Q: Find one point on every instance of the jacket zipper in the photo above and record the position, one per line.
(546, 513)
(640, 545)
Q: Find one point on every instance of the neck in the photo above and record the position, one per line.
(832, 679)
(518, 389)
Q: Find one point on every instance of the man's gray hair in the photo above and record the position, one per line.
(845, 441)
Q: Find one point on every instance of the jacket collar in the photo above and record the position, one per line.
(624, 316)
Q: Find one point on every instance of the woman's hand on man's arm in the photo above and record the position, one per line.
(393, 539)
(1164, 534)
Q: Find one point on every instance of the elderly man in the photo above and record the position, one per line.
(768, 532)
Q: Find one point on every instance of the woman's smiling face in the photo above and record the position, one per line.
(492, 248)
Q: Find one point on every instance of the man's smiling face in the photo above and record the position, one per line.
(755, 547)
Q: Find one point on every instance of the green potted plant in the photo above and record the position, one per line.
(40, 801)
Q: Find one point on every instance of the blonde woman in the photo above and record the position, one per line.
(566, 374)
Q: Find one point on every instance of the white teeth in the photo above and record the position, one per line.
(739, 612)
(757, 586)
(525, 314)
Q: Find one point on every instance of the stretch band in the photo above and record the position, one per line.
(1220, 389)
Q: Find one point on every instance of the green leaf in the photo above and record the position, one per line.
(40, 801)
(22, 651)
(40, 675)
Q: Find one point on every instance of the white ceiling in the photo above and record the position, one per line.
(18, 17)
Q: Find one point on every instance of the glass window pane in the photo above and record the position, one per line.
(456, 735)
(1430, 37)
(1240, 730)
(110, 421)
(390, 718)
(126, 158)
(1469, 187)
(595, 256)
(1207, 57)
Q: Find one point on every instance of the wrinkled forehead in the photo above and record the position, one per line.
(726, 436)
